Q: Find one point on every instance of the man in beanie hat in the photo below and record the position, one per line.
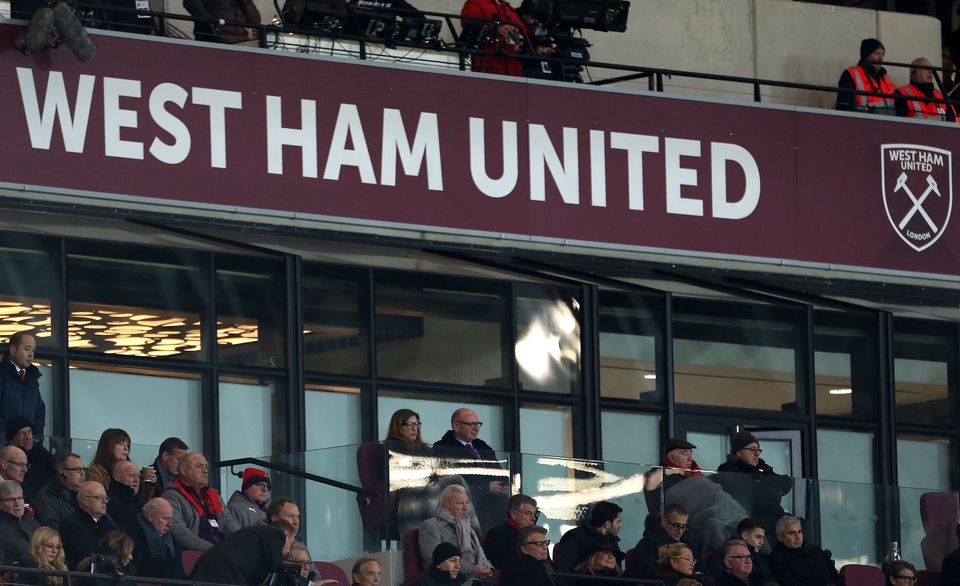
(19, 432)
(248, 506)
(752, 482)
(868, 76)
(445, 569)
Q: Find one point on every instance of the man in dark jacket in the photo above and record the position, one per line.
(20, 384)
(83, 530)
(752, 482)
(599, 531)
(867, 76)
(737, 564)
(754, 534)
(501, 544)
(445, 570)
(155, 553)
(126, 494)
(19, 431)
(795, 563)
(488, 492)
(246, 556)
(58, 499)
(669, 529)
(168, 463)
(16, 525)
(950, 570)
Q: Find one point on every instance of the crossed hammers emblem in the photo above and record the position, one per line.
(917, 208)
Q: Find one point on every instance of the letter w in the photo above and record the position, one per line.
(56, 105)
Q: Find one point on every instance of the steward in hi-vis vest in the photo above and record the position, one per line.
(922, 86)
(867, 76)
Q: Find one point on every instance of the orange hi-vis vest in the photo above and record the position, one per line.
(918, 109)
(865, 83)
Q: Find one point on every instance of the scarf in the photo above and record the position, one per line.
(694, 469)
(467, 540)
(210, 506)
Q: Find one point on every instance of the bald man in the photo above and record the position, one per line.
(83, 530)
(922, 85)
(126, 498)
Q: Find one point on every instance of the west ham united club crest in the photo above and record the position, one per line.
(917, 192)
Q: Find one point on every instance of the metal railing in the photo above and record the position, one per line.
(9, 575)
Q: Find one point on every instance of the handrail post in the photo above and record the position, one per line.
(659, 82)
(756, 90)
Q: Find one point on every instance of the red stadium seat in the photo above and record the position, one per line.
(928, 578)
(862, 575)
(331, 571)
(938, 512)
(190, 558)
(370, 467)
(412, 563)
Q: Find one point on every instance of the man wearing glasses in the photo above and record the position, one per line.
(501, 544)
(58, 499)
(670, 530)
(13, 464)
(737, 564)
(16, 529)
(83, 530)
(487, 491)
(752, 482)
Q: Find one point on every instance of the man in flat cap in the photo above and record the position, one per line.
(868, 75)
(752, 482)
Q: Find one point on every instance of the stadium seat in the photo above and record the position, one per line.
(190, 558)
(938, 512)
(628, 561)
(862, 575)
(928, 578)
(412, 563)
(331, 571)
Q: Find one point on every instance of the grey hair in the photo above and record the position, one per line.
(730, 544)
(786, 521)
(300, 545)
(153, 505)
(448, 492)
(10, 487)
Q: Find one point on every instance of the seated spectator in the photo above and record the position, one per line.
(529, 567)
(737, 564)
(20, 434)
(599, 531)
(58, 499)
(284, 509)
(675, 563)
(754, 535)
(16, 528)
(224, 20)
(155, 553)
(366, 572)
(950, 570)
(795, 563)
(117, 546)
(167, 462)
(902, 573)
(452, 525)
(248, 506)
(299, 556)
(444, 569)
(752, 482)
(199, 520)
(501, 542)
(13, 464)
(922, 85)
(602, 562)
(668, 531)
(83, 530)
(46, 552)
(114, 446)
(126, 496)
(867, 77)
(246, 556)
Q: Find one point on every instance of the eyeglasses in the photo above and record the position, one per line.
(911, 579)
(412, 424)
(371, 573)
(534, 514)
(12, 499)
(677, 526)
(77, 469)
(24, 465)
(54, 547)
(303, 563)
(686, 559)
(477, 424)
(754, 450)
(542, 543)
(97, 497)
(738, 557)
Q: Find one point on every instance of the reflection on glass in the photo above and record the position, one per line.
(924, 353)
(334, 339)
(923, 462)
(247, 412)
(147, 306)
(250, 312)
(845, 359)
(736, 355)
(30, 278)
(848, 515)
(432, 332)
(548, 341)
(631, 335)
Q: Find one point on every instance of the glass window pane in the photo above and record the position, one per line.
(250, 311)
(546, 430)
(333, 416)
(151, 405)
(631, 437)
(136, 302)
(548, 340)
(736, 355)
(29, 278)
(435, 416)
(923, 462)
(248, 408)
(845, 358)
(848, 515)
(48, 381)
(430, 331)
(631, 342)
(924, 353)
(335, 333)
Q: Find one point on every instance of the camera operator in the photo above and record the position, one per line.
(248, 556)
(508, 39)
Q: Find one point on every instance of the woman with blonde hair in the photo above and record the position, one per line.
(675, 563)
(46, 553)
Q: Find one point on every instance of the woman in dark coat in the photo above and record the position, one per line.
(600, 562)
(530, 567)
(445, 570)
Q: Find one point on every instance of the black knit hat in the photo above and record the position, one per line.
(742, 440)
(15, 424)
(444, 551)
(868, 46)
